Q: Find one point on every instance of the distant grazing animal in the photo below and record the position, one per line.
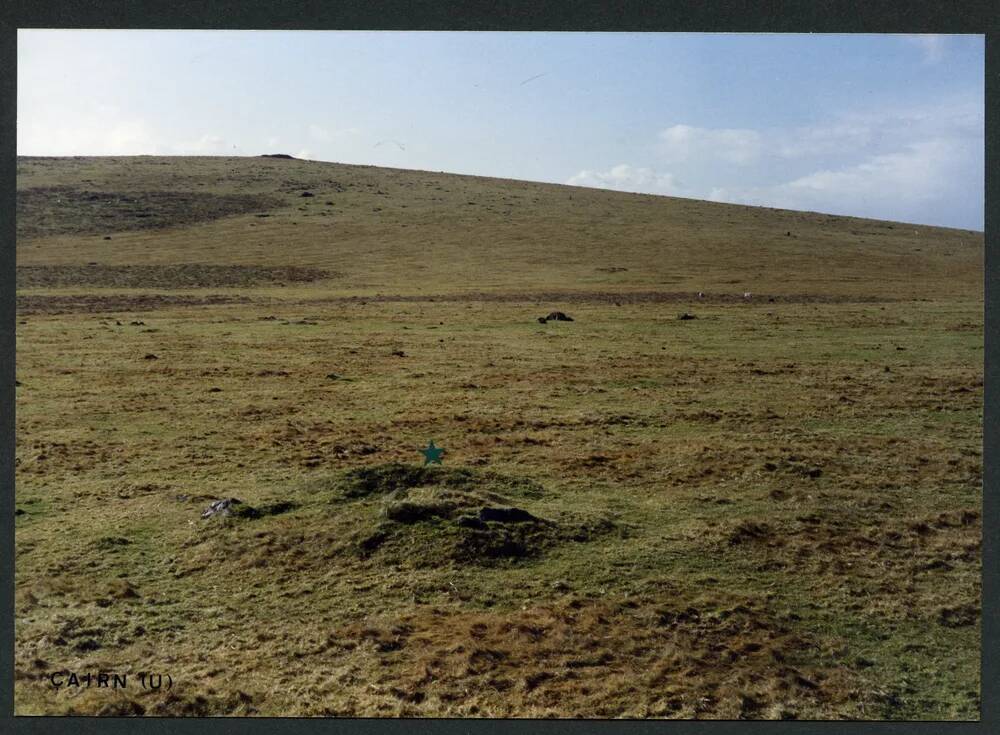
(701, 294)
(746, 295)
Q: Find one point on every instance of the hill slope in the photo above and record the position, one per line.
(400, 231)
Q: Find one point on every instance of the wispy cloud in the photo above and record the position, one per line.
(685, 142)
(906, 180)
(892, 163)
(628, 178)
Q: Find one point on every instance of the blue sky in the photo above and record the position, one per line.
(884, 126)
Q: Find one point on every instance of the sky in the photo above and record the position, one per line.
(882, 126)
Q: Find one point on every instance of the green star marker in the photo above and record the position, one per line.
(432, 455)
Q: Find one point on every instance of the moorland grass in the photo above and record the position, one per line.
(770, 511)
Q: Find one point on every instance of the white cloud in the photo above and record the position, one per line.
(822, 139)
(917, 163)
(932, 46)
(850, 134)
(915, 171)
(303, 153)
(899, 185)
(628, 178)
(731, 145)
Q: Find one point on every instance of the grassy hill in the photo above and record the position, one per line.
(417, 232)
(768, 510)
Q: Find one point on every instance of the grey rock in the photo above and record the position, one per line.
(225, 507)
(558, 316)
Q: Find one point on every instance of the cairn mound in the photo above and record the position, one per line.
(426, 516)
(396, 476)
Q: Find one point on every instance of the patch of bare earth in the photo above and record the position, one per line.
(607, 297)
(68, 210)
(181, 275)
(89, 303)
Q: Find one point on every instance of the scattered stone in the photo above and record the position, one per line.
(150, 356)
(234, 507)
(18, 512)
(398, 353)
(333, 376)
(107, 237)
(17, 383)
(228, 507)
(215, 390)
(542, 320)
(686, 316)
(307, 194)
(137, 323)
